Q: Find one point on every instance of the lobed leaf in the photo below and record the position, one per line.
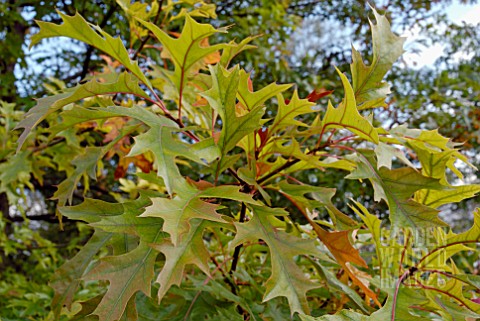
(286, 113)
(286, 279)
(127, 274)
(453, 194)
(187, 49)
(160, 140)
(250, 99)
(179, 211)
(346, 115)
(190, 249)
(368, 85)
(397, 187)
(125, 83)
(67, 278)
(76, 27)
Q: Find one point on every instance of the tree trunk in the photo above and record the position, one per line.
(4, 208)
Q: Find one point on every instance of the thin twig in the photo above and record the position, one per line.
(426, 287)
(293, 162)
(444, 246)
(395, 294)
(89, 52)
(145, 40)
(236, 253)
(403, 253)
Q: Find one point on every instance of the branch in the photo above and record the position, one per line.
(397, 288)
(403, 253)
(291, 163)
(89, 52)
(144, 41)
(50, 218)
(426, 287)
(442, 247)
(54, 142)
(452, 276)
(236, 253)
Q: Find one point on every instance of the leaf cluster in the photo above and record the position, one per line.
(195, 229)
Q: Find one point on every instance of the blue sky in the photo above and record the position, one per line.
(457, 13)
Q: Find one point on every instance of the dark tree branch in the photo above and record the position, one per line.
(292, 162)
(48, 217)
(236, 253)
(89, 52)
(144, 42)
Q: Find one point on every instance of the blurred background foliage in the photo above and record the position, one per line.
(298, 41)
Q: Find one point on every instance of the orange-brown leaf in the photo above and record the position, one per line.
(212, 58)
(113, 126)
(341, 248)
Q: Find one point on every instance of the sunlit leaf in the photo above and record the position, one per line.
(125, 83)
(368, 85)
(178, 212)
(186, 50)
(397, 187)
(78, 28)
(346, 115)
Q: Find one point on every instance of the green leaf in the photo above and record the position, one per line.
(397, 187)
(287, 279)
(76, 27)
(322, 197)
(252, 99)
(200, 9)
(186, 50)
(385, 154)
(434, 162)
(368, 85)
(85, 314)
(290, 148)
(112, 218)
(232, 49)
(127, 274)
(346, 115)
(189, 250)
(344, 315)
(453, 194)
(92, 210)
(18, 167)
(129, 221)
(449, 244)
(455, 289)
(178, 212)
(469, 236)
(160, 140)
(286, 113)
(66, 279)
(373, 224)
(406, 298)
(222, 97)
(86, 166)
(135, 11)
(453, 312)
(125, 83)
(77, 115)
